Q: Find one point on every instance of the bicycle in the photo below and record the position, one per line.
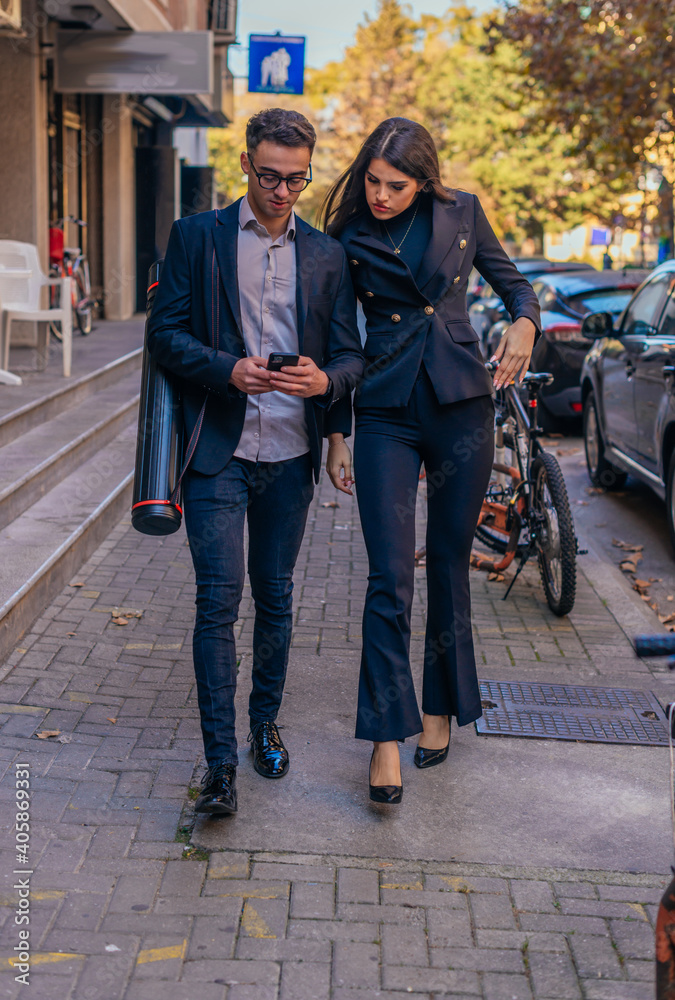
(526, 509)
(71, 262)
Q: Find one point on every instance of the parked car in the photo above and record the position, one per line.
(477, 282)
(565, 299)
(628, 391)
(487, 308)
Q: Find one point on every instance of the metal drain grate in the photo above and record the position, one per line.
(572, 712)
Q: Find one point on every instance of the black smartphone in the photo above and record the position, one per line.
(276, 362)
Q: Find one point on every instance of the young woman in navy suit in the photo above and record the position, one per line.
(425, 398)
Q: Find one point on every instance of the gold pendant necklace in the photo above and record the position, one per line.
(397, 249)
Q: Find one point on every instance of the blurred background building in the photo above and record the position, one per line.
(105, 107)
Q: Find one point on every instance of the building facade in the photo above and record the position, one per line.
(101, 105)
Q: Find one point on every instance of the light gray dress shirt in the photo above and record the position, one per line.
(275, 428)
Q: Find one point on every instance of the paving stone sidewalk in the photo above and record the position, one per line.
(131, 899)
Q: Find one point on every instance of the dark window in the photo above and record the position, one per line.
(612, 300)
(642, 316)
(668, 321)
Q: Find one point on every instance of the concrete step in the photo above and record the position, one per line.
(45, 546)
(37, 411)
(34, 463)
(66, 478)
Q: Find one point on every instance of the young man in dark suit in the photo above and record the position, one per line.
(238, 285)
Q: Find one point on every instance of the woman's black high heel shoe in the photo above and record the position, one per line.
(424, 757)
(388, 794)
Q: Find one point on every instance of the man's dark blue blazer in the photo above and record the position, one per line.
(195, 330)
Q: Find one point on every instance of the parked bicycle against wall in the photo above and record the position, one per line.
(70, 261)
(526, 510)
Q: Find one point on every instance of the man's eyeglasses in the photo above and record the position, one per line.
(271, 181)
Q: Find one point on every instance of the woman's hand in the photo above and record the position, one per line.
(339, 460)
(514, 352)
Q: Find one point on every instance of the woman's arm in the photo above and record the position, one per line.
(515, 347)
(339, 461)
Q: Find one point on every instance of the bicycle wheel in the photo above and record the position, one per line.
(54, 303)
(557, 542)
(83, 306)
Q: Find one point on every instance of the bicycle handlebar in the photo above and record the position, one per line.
(68, 218)
(530, 378)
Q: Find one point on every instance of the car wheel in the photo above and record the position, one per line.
(600, 471)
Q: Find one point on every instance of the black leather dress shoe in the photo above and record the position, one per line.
(219, 790)
(424, 757)
(390, 795)
(270, 756)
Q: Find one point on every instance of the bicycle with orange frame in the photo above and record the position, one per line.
(526, 509)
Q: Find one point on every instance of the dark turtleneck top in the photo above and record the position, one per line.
(417, 240)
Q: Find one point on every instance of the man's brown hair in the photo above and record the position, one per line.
(277, 125)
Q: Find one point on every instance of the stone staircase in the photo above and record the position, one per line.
(66, 478)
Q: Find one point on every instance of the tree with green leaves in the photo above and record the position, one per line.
(601, 73)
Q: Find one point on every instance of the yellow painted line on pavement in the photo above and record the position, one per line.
(41, 958)
(47, 894)
(29, 709)
(162, 954)
(253, 923)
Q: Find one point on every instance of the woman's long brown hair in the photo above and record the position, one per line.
(405, 145)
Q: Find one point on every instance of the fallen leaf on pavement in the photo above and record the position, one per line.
(331, 503)
(664, 619)
(120, 621)
(44, 734)
(108, 719)
(629, 565)
(626, 546)
(669, 597)
(645, 597)
(496, 577)
(77, 585)
(567, 451)
(594, 491)
(71, 633)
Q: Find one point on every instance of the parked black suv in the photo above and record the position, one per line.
(628, 391)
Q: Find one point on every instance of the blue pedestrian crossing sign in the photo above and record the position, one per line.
(276, 64)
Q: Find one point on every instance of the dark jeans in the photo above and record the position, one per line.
(455, 442)
(274, 497)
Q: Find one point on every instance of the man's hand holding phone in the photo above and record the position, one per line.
(303, 379)
(251, 376)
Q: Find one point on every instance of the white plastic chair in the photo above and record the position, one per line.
(8, 378)
(21, 283)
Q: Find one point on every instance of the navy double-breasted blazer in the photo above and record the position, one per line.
(410, 319)
(195, 330)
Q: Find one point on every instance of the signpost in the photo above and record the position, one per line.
(276, 64)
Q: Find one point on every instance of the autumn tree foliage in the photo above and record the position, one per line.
(602, 71)
(473, 82)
